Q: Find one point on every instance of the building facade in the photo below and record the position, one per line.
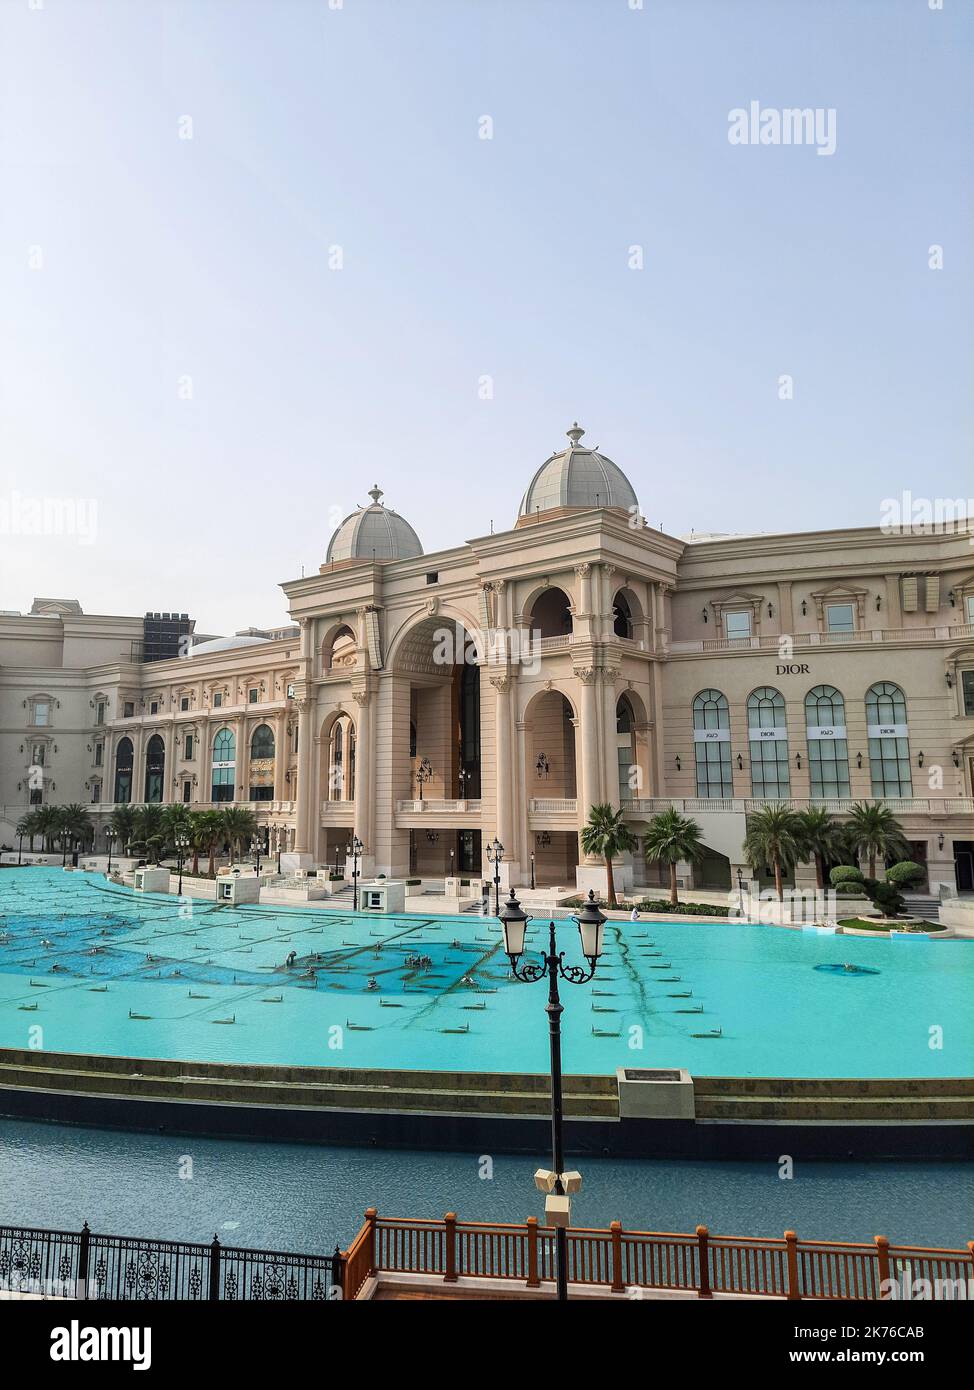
(428, 704)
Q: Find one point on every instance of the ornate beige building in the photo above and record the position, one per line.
(430, 703)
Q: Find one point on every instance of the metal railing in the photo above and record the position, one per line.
(88, 1265)
(840, 805)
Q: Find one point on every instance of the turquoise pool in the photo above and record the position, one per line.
(79, 957)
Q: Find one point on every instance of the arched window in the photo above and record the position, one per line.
(828, 745)
(224, 766)
(124, 761)
(350, 770)
(622, 626)
(889, 740)
(626, 749)
(262, 764)
(767, 732)
(711, 745)
(337, 772)
(551, 614)
(155, 767)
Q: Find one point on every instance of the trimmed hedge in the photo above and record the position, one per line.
(845, 873)
(906, 873)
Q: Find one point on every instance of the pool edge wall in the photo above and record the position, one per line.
(103, 1092)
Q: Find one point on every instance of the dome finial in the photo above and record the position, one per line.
(375, 492)
(575, 434)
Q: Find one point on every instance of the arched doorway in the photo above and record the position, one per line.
(262, 750)
(551, 614)
(124, 762)
(155, 768)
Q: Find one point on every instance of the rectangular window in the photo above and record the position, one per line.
(36, 796)
(737, 625)
(188, 752)
(184, 702)
(433, 577)
(128, 710)
(99, 754)
(840, 617)
(37, 754)
(217, 699)
(252, 695)
(42, 712)
(187, 790)
(96, 792)
(969, 608)
(100, 712)
(967, 686)
(153, 706)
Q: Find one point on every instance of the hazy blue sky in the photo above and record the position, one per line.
(162, 258)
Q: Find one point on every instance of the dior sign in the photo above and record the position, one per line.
(792, 668)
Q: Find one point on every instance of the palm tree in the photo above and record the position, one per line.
(606, 834)
(76, 829)
(198, 833)
(775, 838)
(209, 829)
(239, 824)
(670, 838)
(175, 822)
(821, 839)
(150, 829)
(874, 831)
(48, 825)
(122, 824)
(28, 829)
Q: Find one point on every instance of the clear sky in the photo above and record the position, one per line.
(178, 348)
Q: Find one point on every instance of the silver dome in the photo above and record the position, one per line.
(374, 533)
(578, 477)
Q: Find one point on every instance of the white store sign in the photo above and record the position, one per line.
(711, 735)
(760, 735)
(887, 731)
(224, 764)
(826, 731)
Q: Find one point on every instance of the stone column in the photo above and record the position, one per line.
(589, 790)
(302, 844)
(584, 609)
(280, 756)
(243, 761)
(504, 775)
(363, 771)
(611, 774)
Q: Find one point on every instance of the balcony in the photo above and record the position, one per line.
(958, 632)
(432, 810)
(338, 813)
(553, 813)
(839, 806)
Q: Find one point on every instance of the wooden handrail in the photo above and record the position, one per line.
(616, 1259)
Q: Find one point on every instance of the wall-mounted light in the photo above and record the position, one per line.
(798, 760)
(678, 762)
(740, 763)
(920, 759)
(804, 608)
(543, 840)
(770, 610)
(949, 679)
(705, 617)
(951, 598)
(956, 758)
(858, 760)
(879, 602)
(940, 840)
(542, 765)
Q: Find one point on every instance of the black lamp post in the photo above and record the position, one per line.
(532, 870)
(495, 856)
(354, 850)
(423, 774)
(279, 832)
(111, 842)
(182, 845)
(255, 850)
(740, 888)
(591, 924)
(20, 850)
